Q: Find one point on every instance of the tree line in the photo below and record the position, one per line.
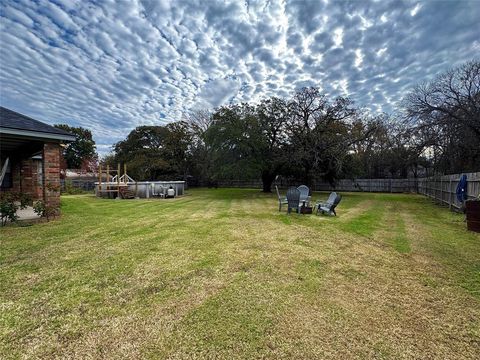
(312, 137)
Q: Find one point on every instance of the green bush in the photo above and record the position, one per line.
(44, 210)
(69, 189)
(10, 202)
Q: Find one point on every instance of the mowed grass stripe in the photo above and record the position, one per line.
(220, 273)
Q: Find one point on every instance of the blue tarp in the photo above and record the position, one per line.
(462, 189)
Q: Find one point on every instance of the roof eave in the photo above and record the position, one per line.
(37, 134)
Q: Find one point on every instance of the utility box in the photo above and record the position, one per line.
(171, 192)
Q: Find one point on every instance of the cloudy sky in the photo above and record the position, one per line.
(113, 65)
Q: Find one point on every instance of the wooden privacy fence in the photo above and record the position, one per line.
(370, 185)
(367, 185)
(443, 188)
(87, 185)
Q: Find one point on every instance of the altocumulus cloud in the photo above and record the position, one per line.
(113, 65)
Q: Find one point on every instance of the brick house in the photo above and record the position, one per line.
(30, 153)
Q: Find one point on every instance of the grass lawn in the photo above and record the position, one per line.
(222, 274)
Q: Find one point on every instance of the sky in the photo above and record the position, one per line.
(111, 66)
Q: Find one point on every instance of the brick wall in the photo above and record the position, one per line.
(27, 177)
(51, 167)
(30, 175)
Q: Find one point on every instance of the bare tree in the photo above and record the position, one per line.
(446, 113)
(453, 95)
(199, 119)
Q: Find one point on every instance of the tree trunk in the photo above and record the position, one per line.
(267, 180)
(307, 176)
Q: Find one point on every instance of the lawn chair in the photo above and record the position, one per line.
(329, 206)
(304, 195)
(293, 199)
(281, 200)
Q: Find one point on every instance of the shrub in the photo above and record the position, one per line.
(10, 202)
(53, 187)
(69, 189)
(8, 211)
(44, 210)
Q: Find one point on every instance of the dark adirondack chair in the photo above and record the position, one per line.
(293, 199)
(329, 206)
(281, 200)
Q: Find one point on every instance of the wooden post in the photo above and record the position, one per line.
(118, 181)
(450, 200)
(99, 188)
(125, 173)
(434, 191)
(439, 184)
(429, 187)
(108, 180)
(441, 190)
(439, 181)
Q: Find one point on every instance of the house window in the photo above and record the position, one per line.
(7, 179)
